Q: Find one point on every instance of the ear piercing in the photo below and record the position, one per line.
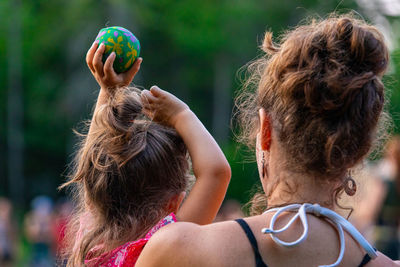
(264, 168)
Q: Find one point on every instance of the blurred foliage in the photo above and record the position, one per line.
(183, 44)
(392, 83)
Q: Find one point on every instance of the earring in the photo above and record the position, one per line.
(264, 168)
(349, 185)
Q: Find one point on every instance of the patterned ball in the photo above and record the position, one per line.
(121, 41)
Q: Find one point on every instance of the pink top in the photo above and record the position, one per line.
(127, 254)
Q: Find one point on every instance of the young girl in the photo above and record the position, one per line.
(131, 172)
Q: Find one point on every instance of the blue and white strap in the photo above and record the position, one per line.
(336, 219)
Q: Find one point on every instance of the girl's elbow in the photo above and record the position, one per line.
(224, 172)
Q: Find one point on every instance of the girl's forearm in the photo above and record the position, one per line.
(102, 99)
(206, 155)
(210, 167)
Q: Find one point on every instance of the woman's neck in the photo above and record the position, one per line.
(284, 186)
(291, 188)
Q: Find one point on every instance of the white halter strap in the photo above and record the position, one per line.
(317, 210)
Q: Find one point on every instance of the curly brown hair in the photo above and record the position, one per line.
(124, 174)
(322, 88)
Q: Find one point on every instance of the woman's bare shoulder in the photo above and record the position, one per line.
(383, 260)
(177, 235)
(166, 243)
(175, 244)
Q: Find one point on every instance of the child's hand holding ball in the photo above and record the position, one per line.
(114, 57)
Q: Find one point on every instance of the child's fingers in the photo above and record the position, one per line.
(97, 63)
(156, 91)
(147, 98)
(109, 72)
(130, 74)
(144, 99)
(90, 55)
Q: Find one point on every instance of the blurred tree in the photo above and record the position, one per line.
(15, 141)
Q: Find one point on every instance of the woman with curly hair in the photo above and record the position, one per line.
(313, 117)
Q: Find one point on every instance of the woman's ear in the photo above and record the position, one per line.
(265, 130)
(175, 202)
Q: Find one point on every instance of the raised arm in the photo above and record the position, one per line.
(210, 166)
(106, 76)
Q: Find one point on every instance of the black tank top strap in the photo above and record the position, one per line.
(253, 242)
(365, 260)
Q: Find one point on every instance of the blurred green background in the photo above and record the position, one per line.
(192, 48)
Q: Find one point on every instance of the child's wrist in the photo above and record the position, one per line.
(107, 91)
(182, 116)
(104, 93)
(104, 96)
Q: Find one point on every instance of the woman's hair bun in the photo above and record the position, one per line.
(367, 51)
(345, 76)
(322, 87)
(329, 64)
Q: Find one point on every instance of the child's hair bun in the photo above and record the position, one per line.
(123, 112)
(123, 127)
(126, 106)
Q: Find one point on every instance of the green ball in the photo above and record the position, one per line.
(121, 41)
